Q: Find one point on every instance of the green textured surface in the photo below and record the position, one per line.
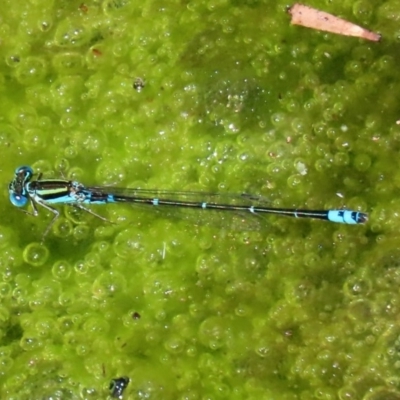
(235, 99)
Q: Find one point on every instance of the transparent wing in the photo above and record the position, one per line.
(228, 219)
(192, 196)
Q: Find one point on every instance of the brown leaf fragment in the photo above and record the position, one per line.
(322, 21)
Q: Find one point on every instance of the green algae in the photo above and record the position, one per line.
(234, 99)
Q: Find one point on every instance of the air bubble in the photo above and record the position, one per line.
(36, 254)
(61, 270)
(109, 283)
(68, 63)
(362, 162)
(70, 35)
(30, 70)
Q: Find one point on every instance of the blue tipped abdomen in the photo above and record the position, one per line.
(347, 217)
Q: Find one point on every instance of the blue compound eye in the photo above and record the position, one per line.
(24, 170)
(18, 200)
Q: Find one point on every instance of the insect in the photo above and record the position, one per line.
(52, 192)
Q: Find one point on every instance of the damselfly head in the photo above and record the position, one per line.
(16, 188)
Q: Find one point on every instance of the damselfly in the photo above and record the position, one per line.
(49, 192)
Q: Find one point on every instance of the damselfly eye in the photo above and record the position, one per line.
(18, 200)
(24, 170)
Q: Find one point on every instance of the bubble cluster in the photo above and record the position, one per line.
(211, 96)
